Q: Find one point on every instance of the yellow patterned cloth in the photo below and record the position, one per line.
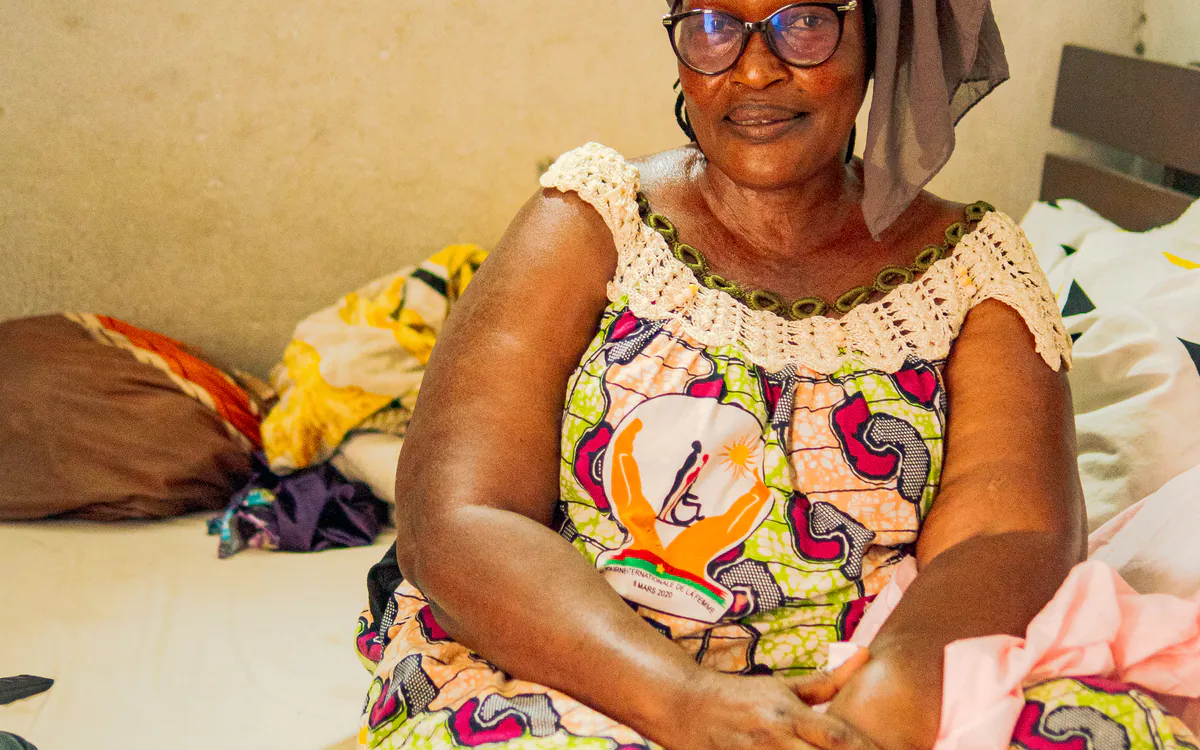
(358, 364)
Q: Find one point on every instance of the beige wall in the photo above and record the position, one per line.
(1173, 31)
(1002, 142)
(216, 169)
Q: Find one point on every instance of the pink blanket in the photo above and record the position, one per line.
(1096, 625)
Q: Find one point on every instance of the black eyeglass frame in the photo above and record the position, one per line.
(749, 29)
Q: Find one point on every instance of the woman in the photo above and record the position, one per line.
(748, 451)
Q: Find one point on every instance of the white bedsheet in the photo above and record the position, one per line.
(154, 643)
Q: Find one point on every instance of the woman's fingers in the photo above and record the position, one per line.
(821, 687)
(829, 732)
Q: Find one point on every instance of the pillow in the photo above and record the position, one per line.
(1056, 229)
(1112, 266)
(371, 458)
(1153, 544)
(1131, 302)
(105, 421)
(1136, 389)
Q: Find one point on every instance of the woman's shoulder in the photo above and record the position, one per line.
(597, 163)
(556, 245)
(595, 176)
(924, 221)
(600, 177)
(667, 169)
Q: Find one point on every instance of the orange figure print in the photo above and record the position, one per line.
(682, 504)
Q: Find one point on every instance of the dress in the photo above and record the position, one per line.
(746, 482)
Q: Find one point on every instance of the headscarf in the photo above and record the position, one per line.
(934, 60)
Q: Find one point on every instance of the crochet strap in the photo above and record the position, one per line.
(918, 319)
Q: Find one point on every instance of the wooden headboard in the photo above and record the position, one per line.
(1148, 109)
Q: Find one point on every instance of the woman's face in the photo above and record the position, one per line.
(767, 124)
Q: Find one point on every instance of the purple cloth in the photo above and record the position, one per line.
(310, 510)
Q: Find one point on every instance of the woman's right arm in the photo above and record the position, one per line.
(478, 481)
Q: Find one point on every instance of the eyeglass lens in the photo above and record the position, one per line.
(802, 35)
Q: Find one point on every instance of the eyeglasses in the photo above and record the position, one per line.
(803, 35)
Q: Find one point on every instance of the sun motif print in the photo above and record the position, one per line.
(686, 483)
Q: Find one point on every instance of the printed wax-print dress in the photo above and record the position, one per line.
(747, 483)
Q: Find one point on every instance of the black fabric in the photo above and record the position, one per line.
(1078, 302)
(22, 686)
(1193, 351)
(437, 283)
(13, 742)
(382, 581)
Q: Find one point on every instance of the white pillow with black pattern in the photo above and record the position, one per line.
(1131, 302)
(1056, 229)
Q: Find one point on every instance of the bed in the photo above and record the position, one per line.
(155, 643)
(1141, 108)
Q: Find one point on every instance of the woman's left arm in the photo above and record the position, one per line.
(1007, 526)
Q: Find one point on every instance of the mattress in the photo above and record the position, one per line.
(155, 643)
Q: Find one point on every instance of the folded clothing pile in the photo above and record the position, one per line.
(346, 389)
(310, 510)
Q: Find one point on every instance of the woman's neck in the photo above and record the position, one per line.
(797, 221)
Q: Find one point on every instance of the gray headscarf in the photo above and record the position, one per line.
(934, 60)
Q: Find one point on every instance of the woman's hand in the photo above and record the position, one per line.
(896, 698)
(723, 712)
